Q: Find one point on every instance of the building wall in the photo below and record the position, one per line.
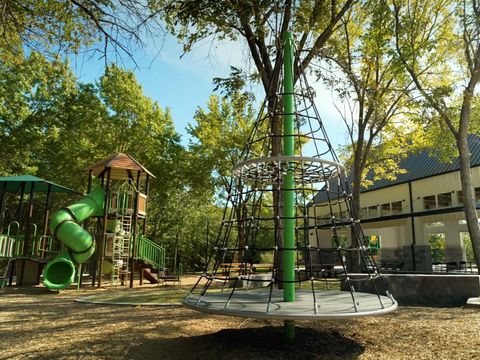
(397, 236)
(388, 195)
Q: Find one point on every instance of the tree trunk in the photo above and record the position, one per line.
(469, 196)
(357, 170)
(357, 178)
(276, 130)
(357, 167)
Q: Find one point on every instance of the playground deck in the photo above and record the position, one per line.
(43, 325)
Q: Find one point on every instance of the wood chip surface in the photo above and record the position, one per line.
(38, 324)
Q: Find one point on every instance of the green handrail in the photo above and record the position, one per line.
(34, 239)
(11, 245)
(179, 270)
(150, 252)
(7, 246)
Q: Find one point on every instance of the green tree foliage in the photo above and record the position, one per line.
(54, 27)
(218, 138)
(110, 116)
(467, 245)
(31, 87)
(437, 247)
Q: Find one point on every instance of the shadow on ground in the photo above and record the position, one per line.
(27, 290)
(252, 343)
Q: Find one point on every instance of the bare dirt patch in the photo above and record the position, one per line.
(36, 323)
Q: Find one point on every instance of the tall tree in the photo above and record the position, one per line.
(260, 25)
(375, 87)
(444, 36)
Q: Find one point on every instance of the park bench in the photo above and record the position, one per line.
(322, 270)
(244, 268)
(262, 267)
(392, 264)
(234, 268)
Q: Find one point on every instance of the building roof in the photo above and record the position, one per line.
(419, 166)
(13, 184)
(423, 164)
(122, 166)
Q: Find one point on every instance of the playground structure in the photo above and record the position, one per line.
(269, 217)
(103, 232)
(120, 207)
(25, 243)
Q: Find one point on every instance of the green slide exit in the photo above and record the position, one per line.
(64, 226)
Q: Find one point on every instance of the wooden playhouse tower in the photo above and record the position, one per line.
(123, 224)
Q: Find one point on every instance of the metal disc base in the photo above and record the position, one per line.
(255, 304)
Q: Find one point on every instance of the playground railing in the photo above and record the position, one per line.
(179, 270)
(121, 198)
(7, 246)
(150, 252)
(13, 246)
(42, 245)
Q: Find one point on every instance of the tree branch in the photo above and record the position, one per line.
(322, 38)
(443, 114)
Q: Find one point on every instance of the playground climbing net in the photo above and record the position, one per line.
(245, 274)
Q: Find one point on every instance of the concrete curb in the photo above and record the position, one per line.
(473, 302)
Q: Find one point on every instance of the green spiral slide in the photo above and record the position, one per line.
(64, 226)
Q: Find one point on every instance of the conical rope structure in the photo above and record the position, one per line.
(279, 251)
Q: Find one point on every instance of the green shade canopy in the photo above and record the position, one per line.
(13, 184)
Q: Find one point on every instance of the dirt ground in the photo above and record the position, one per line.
(36, 323)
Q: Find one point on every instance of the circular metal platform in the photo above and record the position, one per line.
(255, 304)
(272, 169)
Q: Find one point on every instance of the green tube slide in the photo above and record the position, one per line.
(64, 225)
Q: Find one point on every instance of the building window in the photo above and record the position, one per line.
(385, 209)
(373, 211)
(397, 207)
(436, 224)
(444, 200)
(429, 202)
(459, 197)
(477, 194)
(363, 213)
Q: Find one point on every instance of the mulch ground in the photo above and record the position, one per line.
(36, 323)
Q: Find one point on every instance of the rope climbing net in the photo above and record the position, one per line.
(244, 275)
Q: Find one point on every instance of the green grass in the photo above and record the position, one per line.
(319, 285)
(175, 294)
(172, 295)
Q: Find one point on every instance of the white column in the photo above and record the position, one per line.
(454, 250)
(420, 238)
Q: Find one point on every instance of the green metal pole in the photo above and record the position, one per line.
(288, 182)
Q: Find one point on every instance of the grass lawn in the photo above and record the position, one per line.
(152, 295)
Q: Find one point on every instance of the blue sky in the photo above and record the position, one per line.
(184, 84)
